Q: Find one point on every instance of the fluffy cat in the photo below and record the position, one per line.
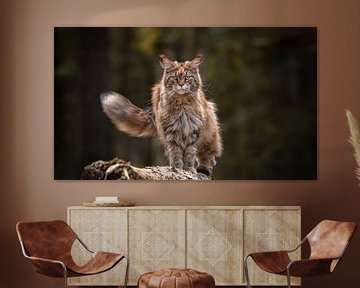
(181, 116)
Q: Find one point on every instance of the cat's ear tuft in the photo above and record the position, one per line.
(197, 60)
(165, 62)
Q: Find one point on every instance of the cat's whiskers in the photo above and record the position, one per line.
(193, 93)
(168, 93)
(206, 88)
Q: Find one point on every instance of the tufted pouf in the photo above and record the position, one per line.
(176, 278)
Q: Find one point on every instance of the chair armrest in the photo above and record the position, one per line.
(48, 267)
(309, 267)
(46, 260)
(268, 253)
(298, 246)
(271, 261)
(280, 251)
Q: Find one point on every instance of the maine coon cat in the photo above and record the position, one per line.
(181, 116)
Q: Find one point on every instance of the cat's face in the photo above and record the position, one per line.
(181, 77)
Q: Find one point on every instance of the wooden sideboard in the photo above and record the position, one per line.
(211, 239)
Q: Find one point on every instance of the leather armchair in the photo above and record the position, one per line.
(48, 245)
(328, 242)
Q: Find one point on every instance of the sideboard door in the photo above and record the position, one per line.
(269, 230)
(101, 230)
(214, 244)
(156, 240)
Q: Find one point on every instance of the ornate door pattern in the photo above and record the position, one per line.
(156, 240)
(101, 230)
(271, 230)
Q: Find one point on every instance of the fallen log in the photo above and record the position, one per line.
(118, 169)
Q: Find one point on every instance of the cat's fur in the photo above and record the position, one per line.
(180, 116)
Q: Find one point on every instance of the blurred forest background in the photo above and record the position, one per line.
(263, 80)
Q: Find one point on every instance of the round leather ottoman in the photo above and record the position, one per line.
(176, 278)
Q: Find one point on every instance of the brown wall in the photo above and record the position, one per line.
(28, 191)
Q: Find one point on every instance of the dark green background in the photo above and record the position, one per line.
(263, 80)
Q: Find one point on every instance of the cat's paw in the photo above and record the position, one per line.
(204, 170)
(174, 169)
(190, 169)
(178, 164)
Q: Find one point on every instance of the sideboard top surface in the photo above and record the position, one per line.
(193, 207)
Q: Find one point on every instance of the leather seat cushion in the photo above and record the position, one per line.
(176, 278)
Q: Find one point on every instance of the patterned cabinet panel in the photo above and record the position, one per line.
(101, 230)
(156, 240)
(271, 229)
(214, 244)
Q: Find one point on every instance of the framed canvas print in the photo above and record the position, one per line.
(166, 103)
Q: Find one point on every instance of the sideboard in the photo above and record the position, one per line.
(212, 239)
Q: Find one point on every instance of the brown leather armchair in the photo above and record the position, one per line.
(48, 245)
(328, 242)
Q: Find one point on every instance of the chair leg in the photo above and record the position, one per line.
(65, 275)
(288, 278)
(127, 271)
(246, 272)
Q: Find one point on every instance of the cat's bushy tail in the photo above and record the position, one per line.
(127, 117)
